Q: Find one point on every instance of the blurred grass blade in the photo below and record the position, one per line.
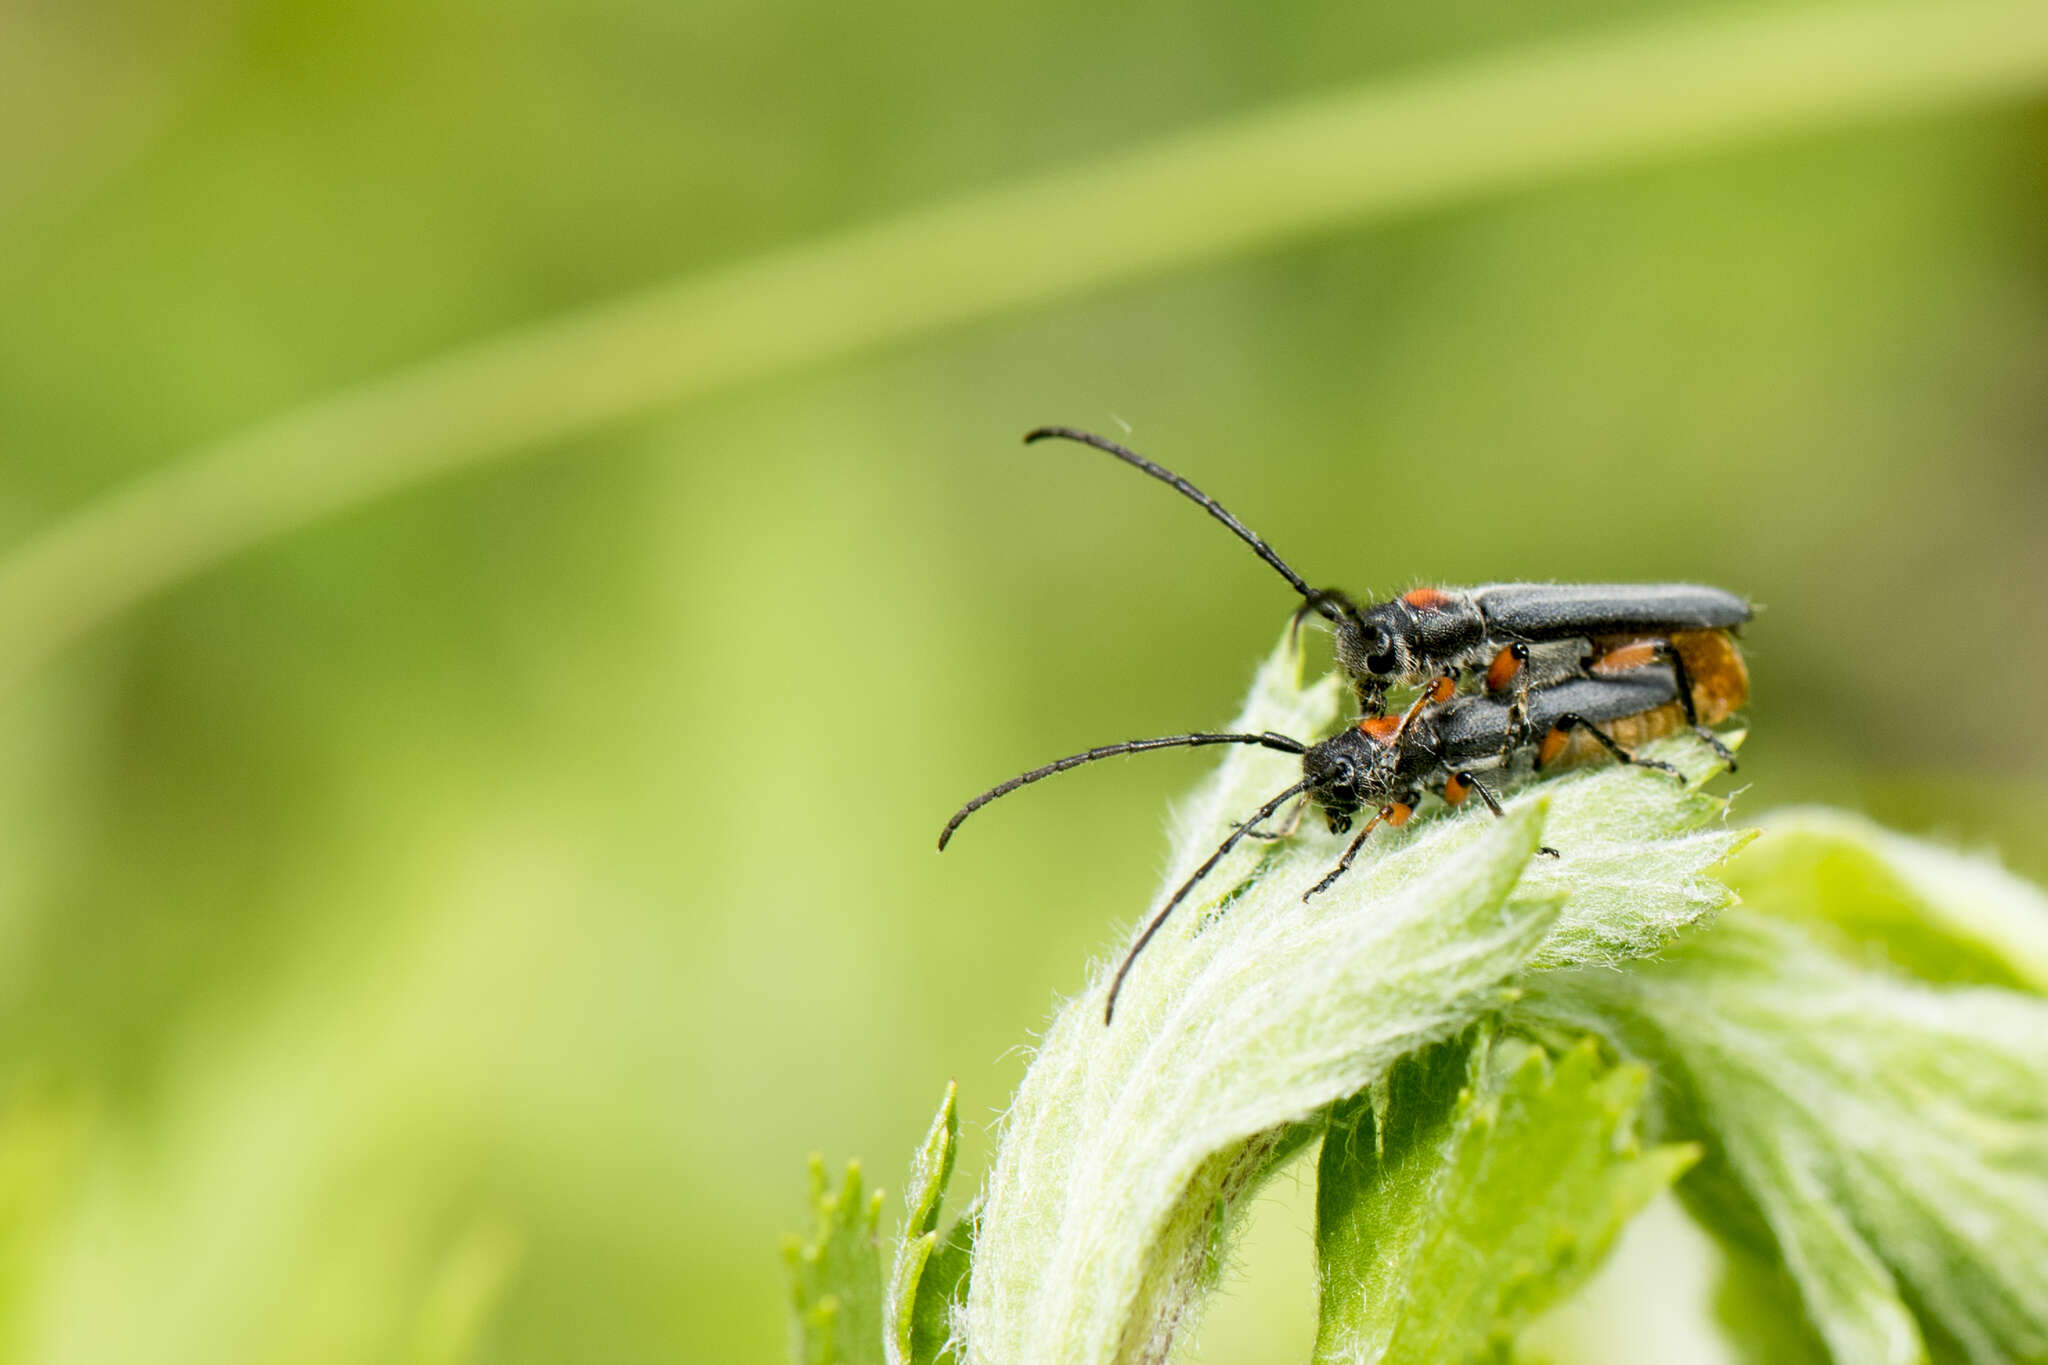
(1241, 185)
(465, 1293)
(1488, 1183)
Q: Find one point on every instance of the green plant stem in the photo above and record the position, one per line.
(1247, 183)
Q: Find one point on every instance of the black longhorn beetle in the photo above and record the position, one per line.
(1501, 628)
(1385, 762)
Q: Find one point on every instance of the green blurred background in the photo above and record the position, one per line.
(442, 933)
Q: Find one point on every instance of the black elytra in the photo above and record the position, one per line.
(1434, 631)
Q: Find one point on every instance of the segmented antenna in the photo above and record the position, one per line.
(1124, 968)
(1268, 740)
(1194, 494)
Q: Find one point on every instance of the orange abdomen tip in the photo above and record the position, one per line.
(1720, 678)
(1713, 663)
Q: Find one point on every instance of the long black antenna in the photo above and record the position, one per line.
(1167, 476)
(1124, 968)
(1268, 740)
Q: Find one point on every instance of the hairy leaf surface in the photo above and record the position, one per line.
(1129, 1147)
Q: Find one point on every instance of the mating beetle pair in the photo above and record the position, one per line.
(1568, 671)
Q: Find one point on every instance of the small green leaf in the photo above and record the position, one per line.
(929, 1276)
(1129, 1149)
(836, 1275)
(1878, 896)
(1887, 1140)
(942, 1294)
(1491, 1181)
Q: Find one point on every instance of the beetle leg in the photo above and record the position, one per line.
(1465, 783)
(1395, 812)
(1275, 836)
(1663, 651)
(1572, 720)
(1436, 691)
(1518, 711)
(1668, 653)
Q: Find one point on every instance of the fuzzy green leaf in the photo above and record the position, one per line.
(1876, 895)
(835, 1275)
(1887, 1139)
(1639, 857)
(1129, 1148)
(1491, 1182)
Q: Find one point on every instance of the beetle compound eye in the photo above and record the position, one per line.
(1380, 656)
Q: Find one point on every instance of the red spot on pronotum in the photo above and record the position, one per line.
(1427, 599)
(1381, 728)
